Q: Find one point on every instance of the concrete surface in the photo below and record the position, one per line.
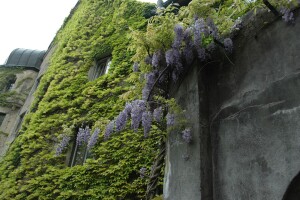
(247, 141)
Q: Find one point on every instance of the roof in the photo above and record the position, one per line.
(25, 58)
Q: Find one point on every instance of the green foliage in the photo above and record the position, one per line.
(160, 30)
(65, 100)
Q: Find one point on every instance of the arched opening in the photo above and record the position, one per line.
(293, 190)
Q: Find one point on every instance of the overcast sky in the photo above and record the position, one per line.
(31, 24)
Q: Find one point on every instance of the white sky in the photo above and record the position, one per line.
(31, 24)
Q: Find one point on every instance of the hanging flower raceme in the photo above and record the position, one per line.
(138, 107)
(213, 30)
(150, 80)
(228, 44)
(83, 135)
(178, 36)
(170, 119)
(93, 139)
(173, 58)
(188, 48)
(109, 129)
(199, 28)
(128, 108)
(287, 14)
(158, 114)
(146, 122)
(187, 135)
(121, 121)
(62, 145)
(157, 58)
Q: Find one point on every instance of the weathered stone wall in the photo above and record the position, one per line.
(43, 69)
(26, 84)
(183, 160)
(247, 139)
(23, 84)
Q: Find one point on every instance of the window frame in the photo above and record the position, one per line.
(100, 68)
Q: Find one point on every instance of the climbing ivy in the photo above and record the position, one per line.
(66, 98)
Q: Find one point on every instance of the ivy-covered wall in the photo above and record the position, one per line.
(66, 100)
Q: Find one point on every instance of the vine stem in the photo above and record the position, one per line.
(271, 8)
(161, 74)
(155, 172)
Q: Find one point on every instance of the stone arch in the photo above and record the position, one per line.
(293, 190)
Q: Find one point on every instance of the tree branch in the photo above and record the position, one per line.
(161, 74)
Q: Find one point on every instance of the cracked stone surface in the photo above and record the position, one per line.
(255, 115)
(247, 140)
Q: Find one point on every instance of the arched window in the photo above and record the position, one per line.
(101, 67)
(79, 151)
(9, 84)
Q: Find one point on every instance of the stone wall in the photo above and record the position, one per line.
(14, 116)
(247, 138)
(23, 84)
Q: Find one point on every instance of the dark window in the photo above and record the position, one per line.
(2, 116)
(101, 67)
(78, 154)
(10, 82)
(19, 123)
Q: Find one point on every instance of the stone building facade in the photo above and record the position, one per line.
(19, 79)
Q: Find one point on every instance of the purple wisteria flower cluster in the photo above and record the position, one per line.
(170, 119)
(83, 136)
(178, 36)
(138, 108)
(121, 121)
(158, 114)
(228, 45)
(150, 80)
(213, 30)
(146, 122)
(188, 48)
(93, 139)
(187, 135)
(109, 129)
(62, 145)
(287, 15)
(187, 44)
(139, 113)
